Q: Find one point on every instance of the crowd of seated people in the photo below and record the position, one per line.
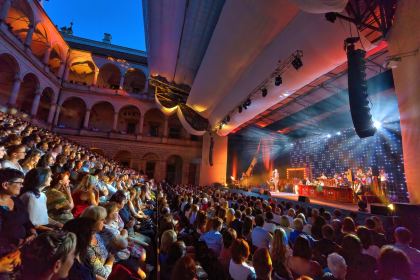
(69, 213)
(207, 233)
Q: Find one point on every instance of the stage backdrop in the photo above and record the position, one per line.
(339, 152)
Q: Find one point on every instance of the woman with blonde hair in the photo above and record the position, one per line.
(279, 249)
(230, 216)
(225, 205)
(378, 225)
(193, 213)
(168, 237)
(285, 225)
(86, 194)
(31, 160)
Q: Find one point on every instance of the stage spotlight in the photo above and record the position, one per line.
(297, 63)
(377, 124)
(264, 92)
(240, 109)
(338, 133)
(220, 127)
(228, 118)
(278, 81)
(248, 102)
(224, 123)
(245, 106)
(328, 135)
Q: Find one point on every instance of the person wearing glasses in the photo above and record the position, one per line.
(15, 153)
(16, 227)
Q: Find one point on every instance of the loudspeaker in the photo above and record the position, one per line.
(380, 210)
(411, 216)
(267, 193)
(303, 198)
(211, 151)
(255, 190)
(375, 170)
(217, 185)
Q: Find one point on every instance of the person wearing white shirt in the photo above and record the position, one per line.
(269, 225)
(260, 236)
(323, 176)
(238, 268)
(291, 214)
(15, 153)
(384, 181)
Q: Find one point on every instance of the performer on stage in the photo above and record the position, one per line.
(346, 181)
(243, 176)
(384, 182)
(323, 176)
(359, 175)
(337, 179)
(349, 175)
(276, 179)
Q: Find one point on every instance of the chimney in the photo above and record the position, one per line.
(107, 38)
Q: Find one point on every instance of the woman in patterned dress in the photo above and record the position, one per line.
(59, 200)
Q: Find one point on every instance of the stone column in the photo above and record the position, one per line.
(61, 70)
(86, 122)
(165, 126)
(141, 124)
(121, 82)
(29, 35)
(5, 10)
(51, 113)
(57, 115)
(35, 104)
(146, 86)
(114, 125)
(95, 77)
(15, 91)
(47, 55)
(66, 73)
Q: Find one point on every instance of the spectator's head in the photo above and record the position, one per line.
(337, 214)
(327, 216)
(284, 221)
(46, 160)
(365, 237)
(321, 211)
(337, 225)
(247, 226)
(269, 216)
(394, 264)
(228, 237)
(49, 256)
(302, 248)
(302, 217)
(298, 224)
(11, 181)
(337, 266)
(262, 263)
(397, 221)
(184, 269)
(222, 213)
(230, 216)
(238, 214)
(168, 238)
(291, 213)
(403, 236)
(176, 251)
(82, 228)
(370, 223)
(259, 220)
(239, 251)
(97, 213)
(327, 232)
(36, 180)
(16, 152)
(353, 215)
(217, 224)
(315, 213)
(348, 225)
(351, 246)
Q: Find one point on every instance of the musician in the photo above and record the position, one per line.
(276, 179)
(243, 175)
(369, 173)
(360, 175)
(306, 182)
(323, 176)
(349, 175)
(384, 181)
(337, 179)
(347, 183)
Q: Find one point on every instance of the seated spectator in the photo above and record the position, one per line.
(359, 265)
(168, 238)
(247, 229)
(85, 167)
(337, 214)
(176, 252)
(390, 232)
(367, 243)
(316, 229)
(49, 256)
(260, 236)
(31, 160)
(59, 199)
(306, 226)
(184, 269)
(298, 230)
(226, 255)
(349, 226)
(337, 267)
(394, 264)
(269, 225)
(15, 153)
(379, 239)
(378, 225)
(84, 195)
(237, 224)
(326, 246)
(300, 263)
(279, 252)
(204, 204)
(58, 166)
(200, 222)
(291, 214)
(230, 216)
(213, 238)
(262, 265)
(238, 268)
(285, 225)
(338, 234)
(35, 200)
(314, 214)
(403, 239)
(46, 161)
(193, 213)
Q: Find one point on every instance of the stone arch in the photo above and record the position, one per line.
(174, 169)
(29, 86)
(56, 58)
(98, 151)
(20, 18)
(72, 112)
(41, 40)
(124, 157)
(101, 116)
(149, 164)
(47, 97)
(128, 119)
(10, 70)
(154, 121)
(82, 71)
(109, 76)
(134, 80)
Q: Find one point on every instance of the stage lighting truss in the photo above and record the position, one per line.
(275, 77)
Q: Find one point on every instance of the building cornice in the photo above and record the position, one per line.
(102, 45)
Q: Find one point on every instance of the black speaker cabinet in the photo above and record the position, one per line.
(303, 198)
(267, 193)
(380, 210)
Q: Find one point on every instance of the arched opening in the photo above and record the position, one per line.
(101, 117)
(27, 92)
(154, 121)
(173, 170)
(98, 151)
(44, 106)
(19, 18)
(109, 76)
(55, 59)
(125, 158)
(72, 113)
(134, 81)
(82, 73)
(128, 119)
(40, 41)
(9, 70)
(148, 165)
(175, 129)
(194, 171)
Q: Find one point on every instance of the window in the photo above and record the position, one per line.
(150, 169)
(131, 128)
(136, 90)
(154, 130)
(175, 133)
(194, 137)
